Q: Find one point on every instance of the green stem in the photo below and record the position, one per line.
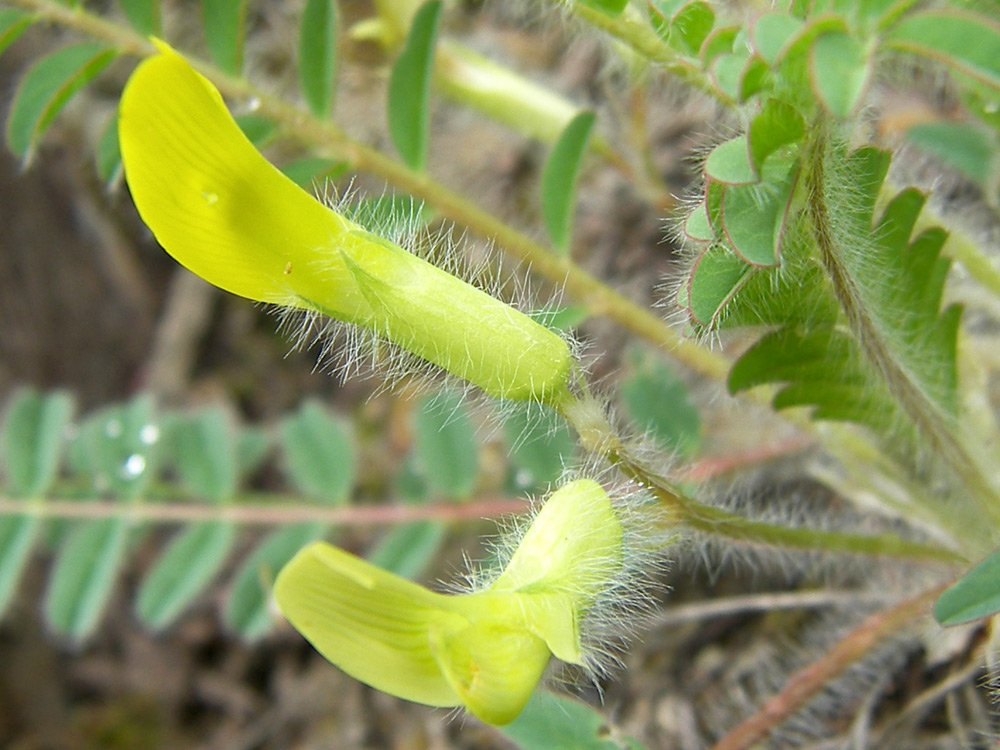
(927, 419)
(301, 125)
(598, 436)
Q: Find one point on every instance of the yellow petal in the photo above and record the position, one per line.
(372, 624)
(216, 205)
(493, 666)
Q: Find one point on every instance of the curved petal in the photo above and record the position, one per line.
(217, 206)
(372, 624)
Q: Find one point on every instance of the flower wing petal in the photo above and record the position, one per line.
(372, 624)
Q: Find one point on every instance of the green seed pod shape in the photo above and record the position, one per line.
(223, 211)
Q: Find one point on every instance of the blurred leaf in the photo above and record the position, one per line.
(12, 23)
(247, 609)
(17, 536)
(408, 550)
(258, 129)
(719, 42)
(319, 453)
(754, 216)
(771, 32)
(205, 454)
(45, 89)
(188, 564)
(777, 125)
(964, 41)
(729, 163)
(839, 70)
(144, 15)
(716, 276)
(108, 156)
(559, 179)
(555, 722)
(446, 446)
(252, 446)
(541, 445)
(691, 25)
(561, 318)
(83, 576)
(306, 172)
(31, 439)
(409, 87)
(976, 595)
(658, 402)
(967, 148)
(225, 30)
(318, 55)
(117, 447)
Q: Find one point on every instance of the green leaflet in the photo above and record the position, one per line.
(962, 40)
(839, 71)
(247, 609)
(108, 157)
(182, 571)
(144, 15)
(407, 550)
(31, 439)
(968, 148)
(12, 23)
(205, 454)
(754, 217)
(716, 277)
(658, 403)
(976, 595)
(45, 89)
(559, 179)
(318, 55)
(409, 87)
(555, 722)
(319, 454)
(771, 32)
(729, 163)
(83, 576)
(541, 445)
(224, 23)
(17, 537)
(447, 452)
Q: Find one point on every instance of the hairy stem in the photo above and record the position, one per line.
(933, 427)
(808, 682)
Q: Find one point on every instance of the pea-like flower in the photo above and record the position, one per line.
(485, 650)
(222, 210)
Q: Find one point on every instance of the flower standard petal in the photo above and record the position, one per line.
(219, 207)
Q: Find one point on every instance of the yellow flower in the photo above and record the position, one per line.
(223, 211)
(484, 650)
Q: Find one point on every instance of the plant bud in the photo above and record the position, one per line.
(223, 211)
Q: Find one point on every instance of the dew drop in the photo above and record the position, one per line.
(149, 434)
(210, 198)
(134, 466)
(253, 103)
(524, 478)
